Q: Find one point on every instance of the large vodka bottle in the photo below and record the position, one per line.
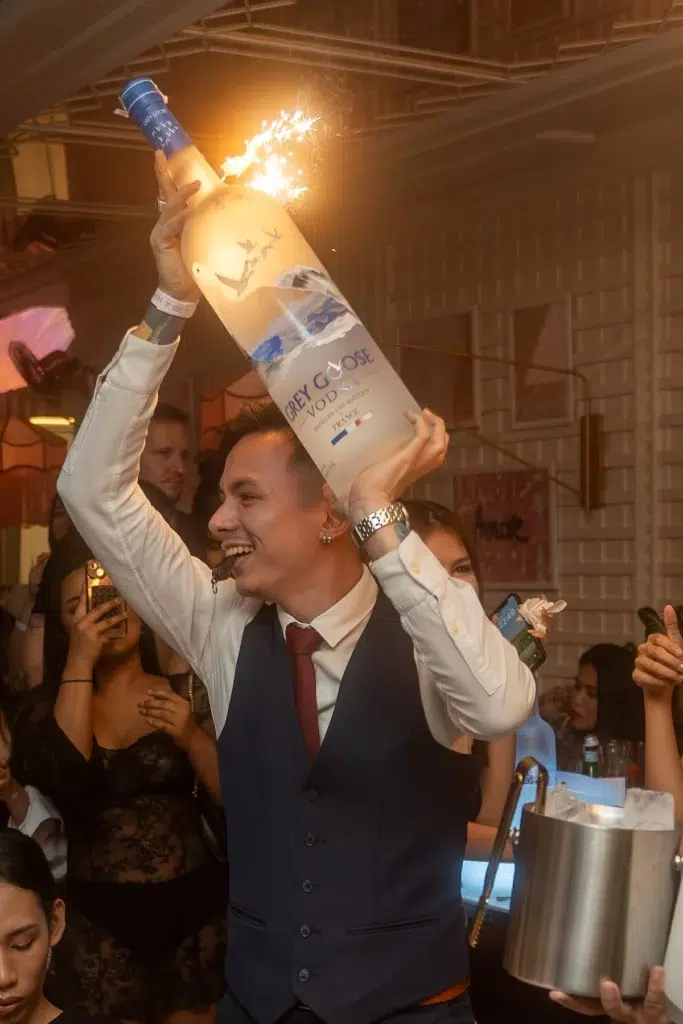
(335, 387)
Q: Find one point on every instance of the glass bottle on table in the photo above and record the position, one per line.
(591, 757)
(335, 387)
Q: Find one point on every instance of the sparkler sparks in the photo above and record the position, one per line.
(266, 164)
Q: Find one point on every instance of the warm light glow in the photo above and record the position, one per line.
(52, 421)
(265, 164)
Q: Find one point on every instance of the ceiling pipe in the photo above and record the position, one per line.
(348, 68)
(375, 44)
(374, 60)
(253, 8)
(456, 96)
(147, 65)
(423, 111)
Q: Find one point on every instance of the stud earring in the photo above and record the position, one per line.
(325, 538)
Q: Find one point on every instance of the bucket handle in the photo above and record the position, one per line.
(521, 772)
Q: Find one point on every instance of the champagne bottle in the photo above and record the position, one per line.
(331, 381)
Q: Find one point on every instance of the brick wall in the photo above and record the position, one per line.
(613, 251)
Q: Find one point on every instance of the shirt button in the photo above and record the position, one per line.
(415, 569)
(313, 795)
(310, 839)
(454, 629)
(304, 931)
(307, 885)
(304, 975)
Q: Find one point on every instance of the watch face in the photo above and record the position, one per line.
(402, 530)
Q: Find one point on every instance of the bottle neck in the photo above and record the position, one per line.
(147, 108)
(187, 165)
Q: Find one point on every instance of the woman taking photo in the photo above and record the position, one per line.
(31, 926)
(129, 760)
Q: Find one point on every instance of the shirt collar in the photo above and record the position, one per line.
(335, 624)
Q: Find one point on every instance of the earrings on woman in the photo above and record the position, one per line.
(325, 538)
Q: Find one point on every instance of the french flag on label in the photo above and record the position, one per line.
(352, 426)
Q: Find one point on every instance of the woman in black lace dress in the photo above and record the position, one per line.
(131, 767)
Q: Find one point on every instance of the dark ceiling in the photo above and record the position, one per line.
(51, 48)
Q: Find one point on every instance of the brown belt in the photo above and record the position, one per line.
(443, 997)
(450, 993)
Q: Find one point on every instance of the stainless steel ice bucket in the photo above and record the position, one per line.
(588, 901)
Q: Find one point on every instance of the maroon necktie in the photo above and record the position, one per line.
(301, 643)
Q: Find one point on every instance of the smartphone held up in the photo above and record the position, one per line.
(512, 624)
(98, 590)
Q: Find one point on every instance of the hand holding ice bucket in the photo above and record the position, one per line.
(589, 901)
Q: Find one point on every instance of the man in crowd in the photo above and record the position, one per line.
(337, 691)
(166, 454)
(163, 467)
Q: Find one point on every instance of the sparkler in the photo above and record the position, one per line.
(266, 164)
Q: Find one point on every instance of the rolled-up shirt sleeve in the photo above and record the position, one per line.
(485, 688)
(145, 558)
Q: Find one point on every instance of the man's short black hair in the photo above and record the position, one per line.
(166, 413)
(265, 418)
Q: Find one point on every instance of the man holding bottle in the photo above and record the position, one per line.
(336, 691)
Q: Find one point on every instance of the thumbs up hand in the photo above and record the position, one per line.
(659, 664)
(670, 620)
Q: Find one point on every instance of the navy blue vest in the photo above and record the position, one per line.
(344, 872)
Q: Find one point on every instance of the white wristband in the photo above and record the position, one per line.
(174, 307)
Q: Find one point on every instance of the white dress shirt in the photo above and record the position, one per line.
(40, 810)
(471, 679)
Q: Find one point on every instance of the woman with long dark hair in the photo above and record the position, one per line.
(605, 701)
(130, 761)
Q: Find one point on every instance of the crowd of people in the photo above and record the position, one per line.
(255, 795)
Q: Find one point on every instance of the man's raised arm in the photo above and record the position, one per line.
(476, 672)
(99, 482)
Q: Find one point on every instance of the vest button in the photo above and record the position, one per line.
(304, 975)
(310, 839)
(307, 885)
(304, 931)
(313, 795)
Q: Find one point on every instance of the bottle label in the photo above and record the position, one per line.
(335, 387)
(289, 361)
(145, 105)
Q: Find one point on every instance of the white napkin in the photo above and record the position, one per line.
(532, 611)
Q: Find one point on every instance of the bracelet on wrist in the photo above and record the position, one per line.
(84, 680)
(174, 307)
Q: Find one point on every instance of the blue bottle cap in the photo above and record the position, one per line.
(146, 106)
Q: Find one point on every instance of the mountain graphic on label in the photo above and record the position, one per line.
(318, 318)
